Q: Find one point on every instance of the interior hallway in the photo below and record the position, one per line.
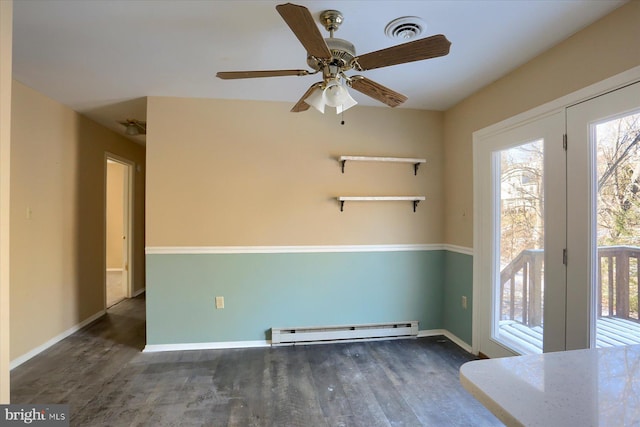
(101, 372)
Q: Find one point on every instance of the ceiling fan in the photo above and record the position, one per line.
(134, 127)
(334, 56)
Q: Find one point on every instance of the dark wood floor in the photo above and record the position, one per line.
(102, 374)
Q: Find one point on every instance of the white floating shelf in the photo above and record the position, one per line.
(379, 198)
(414, 199)
(415, 162)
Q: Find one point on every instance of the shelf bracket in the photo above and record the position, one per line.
(343, 163)
(415, 168)
(415, 204)
(341, 205)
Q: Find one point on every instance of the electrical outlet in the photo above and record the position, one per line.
(219, 302)
(464, 302)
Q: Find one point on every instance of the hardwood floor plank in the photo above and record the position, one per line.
(448, 358)
(385, 392)
(302, 407)
(247, 409)
(365, 409)
(332, 398)
(415, 383)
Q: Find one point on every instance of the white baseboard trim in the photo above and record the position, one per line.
(138, 292)
(34, 352)
(152, 348)
(434, 332)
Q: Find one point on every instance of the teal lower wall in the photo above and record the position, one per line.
(294, 289)
(458, 273)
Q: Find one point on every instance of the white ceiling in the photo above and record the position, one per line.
(102, 57)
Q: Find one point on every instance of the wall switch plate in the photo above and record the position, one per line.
(219, 302)
(464, 302)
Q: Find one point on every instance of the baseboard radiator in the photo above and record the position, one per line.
(344, 333)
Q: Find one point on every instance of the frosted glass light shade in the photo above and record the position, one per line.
(335, 94)
(316, 100)
(347, 103)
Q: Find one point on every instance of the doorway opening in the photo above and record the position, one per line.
(118, 229)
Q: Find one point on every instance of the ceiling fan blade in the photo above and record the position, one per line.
(430, 47)
(299, 19)
(301, 105)
(228, 75)
(377, 91)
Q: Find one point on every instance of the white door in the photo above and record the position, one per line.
(518, 264)
(603, 228)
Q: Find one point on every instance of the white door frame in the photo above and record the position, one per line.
(604, 86)
(128, 204)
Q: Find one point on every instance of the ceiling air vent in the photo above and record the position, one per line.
(405, 28)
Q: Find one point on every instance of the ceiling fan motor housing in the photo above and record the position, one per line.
(342, 54)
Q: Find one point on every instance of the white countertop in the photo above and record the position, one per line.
(596, 387)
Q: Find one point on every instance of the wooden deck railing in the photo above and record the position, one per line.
(618, 291)
(521, 283)
(521, 288)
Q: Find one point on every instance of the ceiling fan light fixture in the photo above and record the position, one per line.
(333, 95)
(132, 130)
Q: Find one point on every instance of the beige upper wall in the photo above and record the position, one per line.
(6, 37)
(58, 248)
(241, 173)
(606, 48)
(115, 214)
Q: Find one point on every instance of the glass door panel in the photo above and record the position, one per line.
(518, 319)
(617, 155)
